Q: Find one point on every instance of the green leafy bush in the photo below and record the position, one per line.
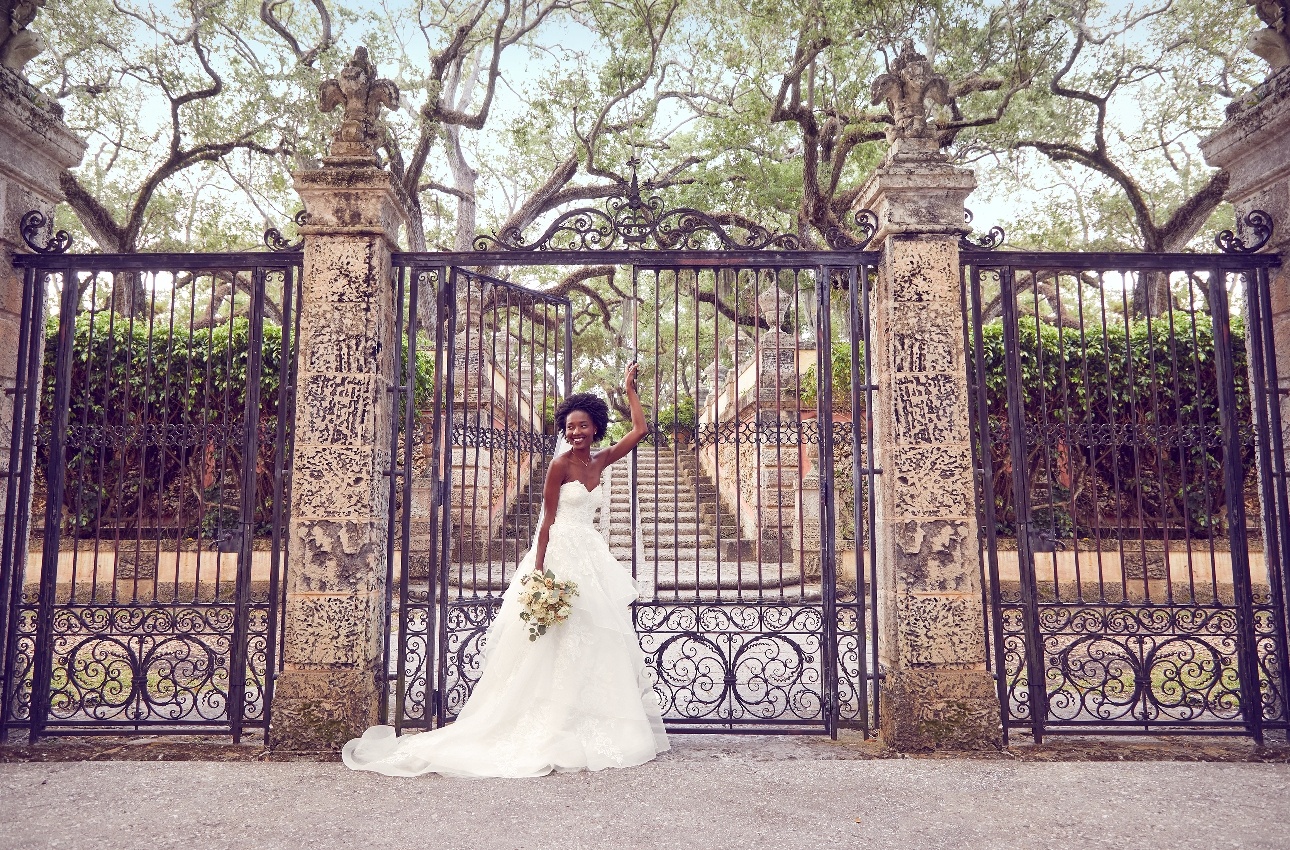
(156, 423)
(1122, 423)
(840, 364)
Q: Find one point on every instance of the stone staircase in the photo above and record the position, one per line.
(687, 539)
(687, 542)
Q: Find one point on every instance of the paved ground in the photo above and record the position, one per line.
(710, 793)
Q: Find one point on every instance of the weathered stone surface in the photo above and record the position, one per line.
(935, 556)
(332, 482)
(907, 201)
(926, 339)
(319, 710)
(338, 339)
(337, 556)
(921, 271)
(933, 481)
(923, 710)
(940, 630)
(927, 408)
(335, 631)
(349, 203)
(345, 271)
(337, 408)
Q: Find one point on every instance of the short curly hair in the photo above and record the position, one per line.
(590, 404)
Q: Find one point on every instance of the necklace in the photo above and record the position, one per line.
(582, 463)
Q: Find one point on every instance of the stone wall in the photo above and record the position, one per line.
(35, 147)
(1253, 147)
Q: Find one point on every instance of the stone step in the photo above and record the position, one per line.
(666, 540)
(683, 519)
(662, 579)
(731, 550)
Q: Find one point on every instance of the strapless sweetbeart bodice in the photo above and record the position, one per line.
(577, 505)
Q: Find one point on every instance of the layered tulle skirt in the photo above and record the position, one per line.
(577, 698)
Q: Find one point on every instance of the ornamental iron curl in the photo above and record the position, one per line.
(275, 241)
(1259, 222)
(33, 225)
(992, 239)
(636, 222)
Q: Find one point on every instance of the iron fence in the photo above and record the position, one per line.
(1127, 434)
(152, 418)
(744, 620)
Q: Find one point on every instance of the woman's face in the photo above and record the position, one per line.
(579, 430)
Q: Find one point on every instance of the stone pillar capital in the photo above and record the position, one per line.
(355, 200)
(35, 149)
(918, 195)
(1251, 147)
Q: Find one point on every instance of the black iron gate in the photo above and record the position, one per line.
(151, 430)
(752, 554)
(1128, 435)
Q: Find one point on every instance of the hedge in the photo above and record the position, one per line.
(156, 422)
(1158, 382)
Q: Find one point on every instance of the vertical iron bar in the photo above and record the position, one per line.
(286, 367)
(988, 507)
(1233, 486)
(448, 303)
(859, 409)
(1021, 494)
(403, 367)
(1263, 378)
(828, 553)
(55, 479)
(238, 667)
(13, 554)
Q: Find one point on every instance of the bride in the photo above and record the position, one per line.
(576, 698)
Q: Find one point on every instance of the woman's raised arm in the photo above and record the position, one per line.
(621, 448)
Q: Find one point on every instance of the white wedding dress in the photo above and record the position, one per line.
(577, 698)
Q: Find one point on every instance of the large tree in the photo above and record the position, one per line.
(1109, 133)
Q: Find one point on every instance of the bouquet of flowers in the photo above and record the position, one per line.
(544, 601)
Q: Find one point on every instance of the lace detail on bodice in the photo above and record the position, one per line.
(577, 505)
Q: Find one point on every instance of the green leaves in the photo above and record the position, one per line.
(1156, 379)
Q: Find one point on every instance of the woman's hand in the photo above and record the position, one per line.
(630, 378)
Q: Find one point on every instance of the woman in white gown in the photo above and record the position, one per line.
(577, 698)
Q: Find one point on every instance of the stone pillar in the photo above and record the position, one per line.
(329, 689)
(35, 148)
(1252, 147)
(937, 693)
(777, 409)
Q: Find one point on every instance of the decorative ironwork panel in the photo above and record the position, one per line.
(732, 664)
(1132, 488)
(152, 440)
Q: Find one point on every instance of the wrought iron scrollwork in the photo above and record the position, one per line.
(33, 226)
(867, 221)
(992, 239)
(634, 221)
(1259, 222)
(275, 241)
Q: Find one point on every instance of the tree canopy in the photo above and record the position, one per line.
(1081, 117)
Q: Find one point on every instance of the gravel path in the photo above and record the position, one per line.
(709, 793)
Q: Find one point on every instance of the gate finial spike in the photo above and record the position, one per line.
(634, 189)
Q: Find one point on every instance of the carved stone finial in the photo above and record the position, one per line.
(906, 90)
(1273, 42)
(17, 43)
(362, 95)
